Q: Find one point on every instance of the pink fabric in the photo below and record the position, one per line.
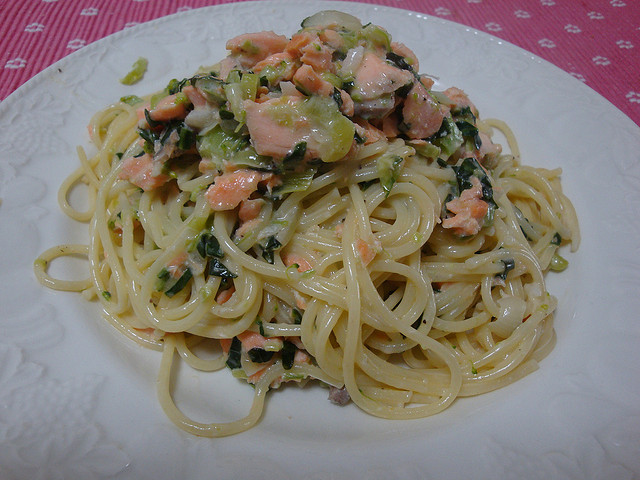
(596, 41)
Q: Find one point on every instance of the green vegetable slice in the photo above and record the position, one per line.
(136, 73)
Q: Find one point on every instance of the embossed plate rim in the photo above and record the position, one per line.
(124, 440)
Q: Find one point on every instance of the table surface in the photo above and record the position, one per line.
(596, 41)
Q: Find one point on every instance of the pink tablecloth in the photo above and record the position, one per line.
(596, 41)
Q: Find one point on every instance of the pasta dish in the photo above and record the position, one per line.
(311, 208)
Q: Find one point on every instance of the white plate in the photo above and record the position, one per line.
(77, 400)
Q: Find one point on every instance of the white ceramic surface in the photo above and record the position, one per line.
(77, 400)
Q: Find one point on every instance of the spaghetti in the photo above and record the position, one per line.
(312, 206)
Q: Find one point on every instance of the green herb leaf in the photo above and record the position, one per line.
(509, 265)
(259, 355)
(152, 123)
(288, 353)
(209, 247)
(186, 138)
(268, 249)
(174, 86)
(471, 168)
(163, 276)
(235, 352)
(337, 97)
(297, 316)
(296, 155)
(217, 269)
(180, 284)
(399, 61)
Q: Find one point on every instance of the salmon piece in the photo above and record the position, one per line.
(176, 267)
(247, 214)
(298, 42)
(331, 38)
(270, 181)
(229, 189)
(469, 209)
(311, 51)
(284, 64)
(367, 250)
(390, 126)
(139, 171)
(168, 108)
(271, 137)
(301, 357)
(250, 48)
(250, 209)
(274, 60)
(348, 107)
(307, 79)
(140, 111)
(319, 56)
(295, 259)
(228, 64)
(488, 149)
(404, 51)
(427, 82)
(370, 133)
(258, 375)
(225, 344)
(262, 94)
(460, 99)
(225, 295)
(195, 97)
(421, 113)
(251, 340)
(376, 77)
(245, 227)
(301, 301)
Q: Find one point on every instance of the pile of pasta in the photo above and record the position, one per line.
(396, 257)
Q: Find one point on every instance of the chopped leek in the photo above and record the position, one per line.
(388, 168)
(131, 99)
(558, 263)
(136, 73)
(218, 269)
(295, 182)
